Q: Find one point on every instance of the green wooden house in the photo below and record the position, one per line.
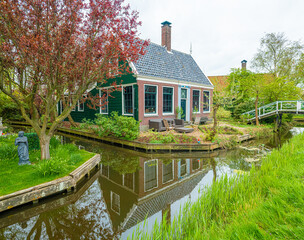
(161, 80)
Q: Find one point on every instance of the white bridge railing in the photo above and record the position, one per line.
(277, 107)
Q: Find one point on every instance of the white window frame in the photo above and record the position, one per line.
(172, 173)
(112, 202)
(123, 99)
(145, 175)
(208, 102)
(123, 182)
(199, 165)
(156, 112)
(199, 101)
(100, 108)
(171, 113)
(186, 168)
(79, 106)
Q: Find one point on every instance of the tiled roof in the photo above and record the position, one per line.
(158, 62)
(153, 205)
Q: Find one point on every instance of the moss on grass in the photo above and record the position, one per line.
(14, 177)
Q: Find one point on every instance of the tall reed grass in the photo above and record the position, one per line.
(262, 204)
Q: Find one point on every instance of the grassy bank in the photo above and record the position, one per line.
(263, 204)
(64, 159)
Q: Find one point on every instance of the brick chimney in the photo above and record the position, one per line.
(244, 62)
(166, 35)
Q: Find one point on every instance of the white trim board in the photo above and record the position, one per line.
(172, 81)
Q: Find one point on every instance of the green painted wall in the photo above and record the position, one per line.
(114, 101)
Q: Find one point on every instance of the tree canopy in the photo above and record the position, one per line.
(54, 48)
(278, 56)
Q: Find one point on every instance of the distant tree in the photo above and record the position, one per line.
(245, 85)
(278, 56)
(220, 98)
(53, 48)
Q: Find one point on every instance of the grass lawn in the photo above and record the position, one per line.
(261, 204)
(64, 159)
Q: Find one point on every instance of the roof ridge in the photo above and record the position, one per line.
(171, 50)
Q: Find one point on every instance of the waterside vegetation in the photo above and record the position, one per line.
(261, 204)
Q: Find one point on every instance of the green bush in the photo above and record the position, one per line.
(222, 113)
(33, 141)
(117, 126)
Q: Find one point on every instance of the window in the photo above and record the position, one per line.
(66, 101)
(115, 202)
(105, 171)
(128, 100)
(167, 100)
(167, 172)
(150, 99)
(104, 101)
(184, 93)
(183, 167)
(81, 105)
(129, 180)
(195, 164)
(196, 101)
(150, 174)
(206, 100)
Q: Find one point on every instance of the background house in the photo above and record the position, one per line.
(161, 80)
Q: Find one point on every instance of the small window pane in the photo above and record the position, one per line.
(184, 93)
(167, 100)
(128, 100)
(167, 172)
(150, 99)
(183, 167)
(206, 99)
(115, 202)
(150, 175)
(195, 164)
(196, 100)
(104, 103)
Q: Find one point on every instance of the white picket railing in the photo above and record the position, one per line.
(270, 109)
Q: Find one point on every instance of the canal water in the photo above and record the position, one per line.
(132, 190)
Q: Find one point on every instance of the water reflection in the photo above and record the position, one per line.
(129, 187)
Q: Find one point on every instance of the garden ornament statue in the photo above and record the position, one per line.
(23, 153)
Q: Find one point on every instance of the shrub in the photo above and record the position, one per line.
(222, 113)
(210, 134)
(33, 141)
(117, 126)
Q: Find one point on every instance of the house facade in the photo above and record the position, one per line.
(161, 81)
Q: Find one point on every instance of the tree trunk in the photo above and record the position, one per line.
(45, 147)
(256, 111)
(214, 119)
(72, 121)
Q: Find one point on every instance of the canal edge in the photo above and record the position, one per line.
(143, 147)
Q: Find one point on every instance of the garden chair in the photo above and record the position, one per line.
(167, 126)
(196, 123)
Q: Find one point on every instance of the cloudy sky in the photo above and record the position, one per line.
(222, 32)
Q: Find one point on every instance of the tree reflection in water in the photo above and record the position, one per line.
(87, 218)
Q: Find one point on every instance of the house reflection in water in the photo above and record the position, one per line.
(158, 183)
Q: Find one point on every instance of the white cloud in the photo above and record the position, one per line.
(222, 32)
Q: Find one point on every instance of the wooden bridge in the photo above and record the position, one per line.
(276, 108)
